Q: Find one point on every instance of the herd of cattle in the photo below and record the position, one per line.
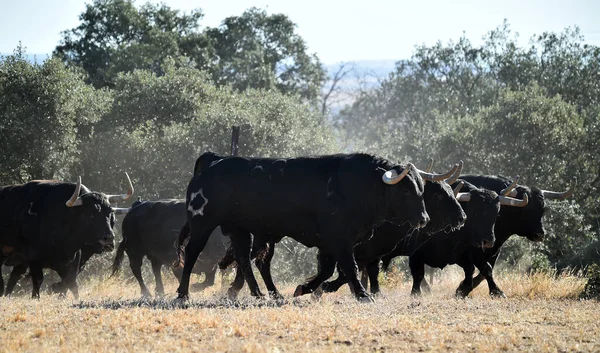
(359, 210)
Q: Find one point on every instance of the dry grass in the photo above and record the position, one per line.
(541, 314)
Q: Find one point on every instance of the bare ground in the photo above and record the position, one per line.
(541, 314)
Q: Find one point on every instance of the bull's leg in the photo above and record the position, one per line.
(486, 271)
(417, 270)
(68, 275)
(37, 277)
(373, 273)
(466, 286)
(135, 263)
(156, 266)
(333, 286)
(242, 247)
(364, 278)
(345, 259)
(237, 284)
(1, 280)
(198, 239)
(481, 276)
(325, 270)
(15, 275)
(264, 266)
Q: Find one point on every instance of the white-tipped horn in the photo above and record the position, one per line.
(75, 200)
(510, 188)
(463, 196)
(118, 210)
(456, 175)
(123, 197)
(553, 195)
(437, 177)
(509, 201)
(430, 166)
(392, 177)
(458, 187)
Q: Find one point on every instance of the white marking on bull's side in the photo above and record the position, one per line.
(201, 210)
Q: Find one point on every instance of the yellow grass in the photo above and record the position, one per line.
(541, 314)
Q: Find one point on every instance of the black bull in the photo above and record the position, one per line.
(46, 224)
(331, 202)
(151, 229)
(443, 208)
(523, 221)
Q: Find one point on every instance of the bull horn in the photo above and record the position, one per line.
(509, 201)
(509, 189)
(118, 210)
(458, 187)
(75, 200)
(430, 166)
(553, 195)
(123, 197)
(463, 197)
(456, 175)
(392, 177)
(438, 177)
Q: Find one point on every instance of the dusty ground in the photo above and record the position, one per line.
(542, 314)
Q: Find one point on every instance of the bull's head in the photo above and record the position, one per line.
(94, 218)
(407, 195)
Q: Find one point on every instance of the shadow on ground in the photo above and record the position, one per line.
(172, 304)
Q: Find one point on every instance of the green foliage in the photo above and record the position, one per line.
(254, 50)
(158, 126)
(46, 110)
(592, 287)
(503, 109)
(261, 51)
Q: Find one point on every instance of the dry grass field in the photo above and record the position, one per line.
(541, 314)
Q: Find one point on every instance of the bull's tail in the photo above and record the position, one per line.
(183, 235)
(119, 257)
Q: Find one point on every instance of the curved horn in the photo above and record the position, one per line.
(507, 191)
(437, 177)
(75, 200)
(463, 196)
(118, 210)
(392, 177)
(553, 195)
(458, 187)
(456, 175)
(509, 201)
(428, 169)
(124, 197)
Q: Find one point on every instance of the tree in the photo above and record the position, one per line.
(114, 36)
(46, 110)
(254, 50)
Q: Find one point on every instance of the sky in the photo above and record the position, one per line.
(335, 30)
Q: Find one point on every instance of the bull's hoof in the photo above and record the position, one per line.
(497, 293)
(182, 296)
(276, 296)
(318, 293)
(299, 291)
(415, 293)
(461, 293)
(326, 287)
(365, 298)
